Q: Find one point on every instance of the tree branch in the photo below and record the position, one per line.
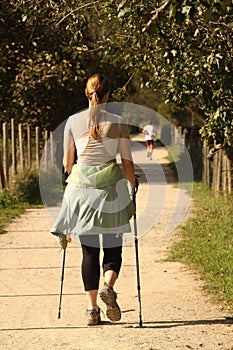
(77, 9)
(155, 16)
(127, 83)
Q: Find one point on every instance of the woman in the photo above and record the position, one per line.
(96, 200)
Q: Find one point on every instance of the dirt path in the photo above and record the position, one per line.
(176, 313)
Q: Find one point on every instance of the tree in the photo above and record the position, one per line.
(180, 47)
(48, 49)
(185, 46)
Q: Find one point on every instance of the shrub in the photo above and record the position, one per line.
(7, 199)
(27, 187)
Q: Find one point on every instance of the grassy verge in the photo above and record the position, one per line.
(25, 194)
(207, 243)
(10, 208)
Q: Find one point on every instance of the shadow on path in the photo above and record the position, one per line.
(181, 323)
(152, 324)
(147, 167)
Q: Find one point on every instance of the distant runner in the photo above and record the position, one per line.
(150, 133)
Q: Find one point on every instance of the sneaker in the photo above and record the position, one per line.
(108, 296)
(93, 317)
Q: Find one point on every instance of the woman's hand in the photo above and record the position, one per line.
(63, 240)
(68, 238)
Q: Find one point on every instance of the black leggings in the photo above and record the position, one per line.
(112, 259)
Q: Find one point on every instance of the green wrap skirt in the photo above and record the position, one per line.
(96, 201)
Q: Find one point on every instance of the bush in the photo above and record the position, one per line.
(27, 187)
(52, 184)
(9, 208)
(7, 199)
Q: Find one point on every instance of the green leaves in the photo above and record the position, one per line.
(186, 46)
(49, 48)
(122, 12)
(123, 8)
(47, 51)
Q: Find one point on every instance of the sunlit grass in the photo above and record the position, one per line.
(207, 243)
(10, 208)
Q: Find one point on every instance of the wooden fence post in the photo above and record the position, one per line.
(46, 136)
(229, 176)
(29, 145)
(13, 142)
(38, 147)
(224, 173)
(21, 147)
(216, 173)
(5, 152)
(51, 148)
(206, 165)
(2, 176)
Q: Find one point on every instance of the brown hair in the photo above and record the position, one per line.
(96, 88)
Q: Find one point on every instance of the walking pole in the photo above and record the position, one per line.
(134, 191)
(62, 279)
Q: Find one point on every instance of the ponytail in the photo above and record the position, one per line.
(94, 117)
(96, 88)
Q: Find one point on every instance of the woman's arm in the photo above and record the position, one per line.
(68, 160)
(126, 159)
(128, 168)
(69, 149)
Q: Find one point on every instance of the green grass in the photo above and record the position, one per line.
(14, 201)
(7, 215)
(10, 208)
(207, 243)
(26, 193)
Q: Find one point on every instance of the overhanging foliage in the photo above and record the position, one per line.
(186, 46)
(183, 47)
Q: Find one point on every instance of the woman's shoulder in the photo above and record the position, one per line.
(78, 118)
(115, 118)
(78, 115)
(77, 123)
